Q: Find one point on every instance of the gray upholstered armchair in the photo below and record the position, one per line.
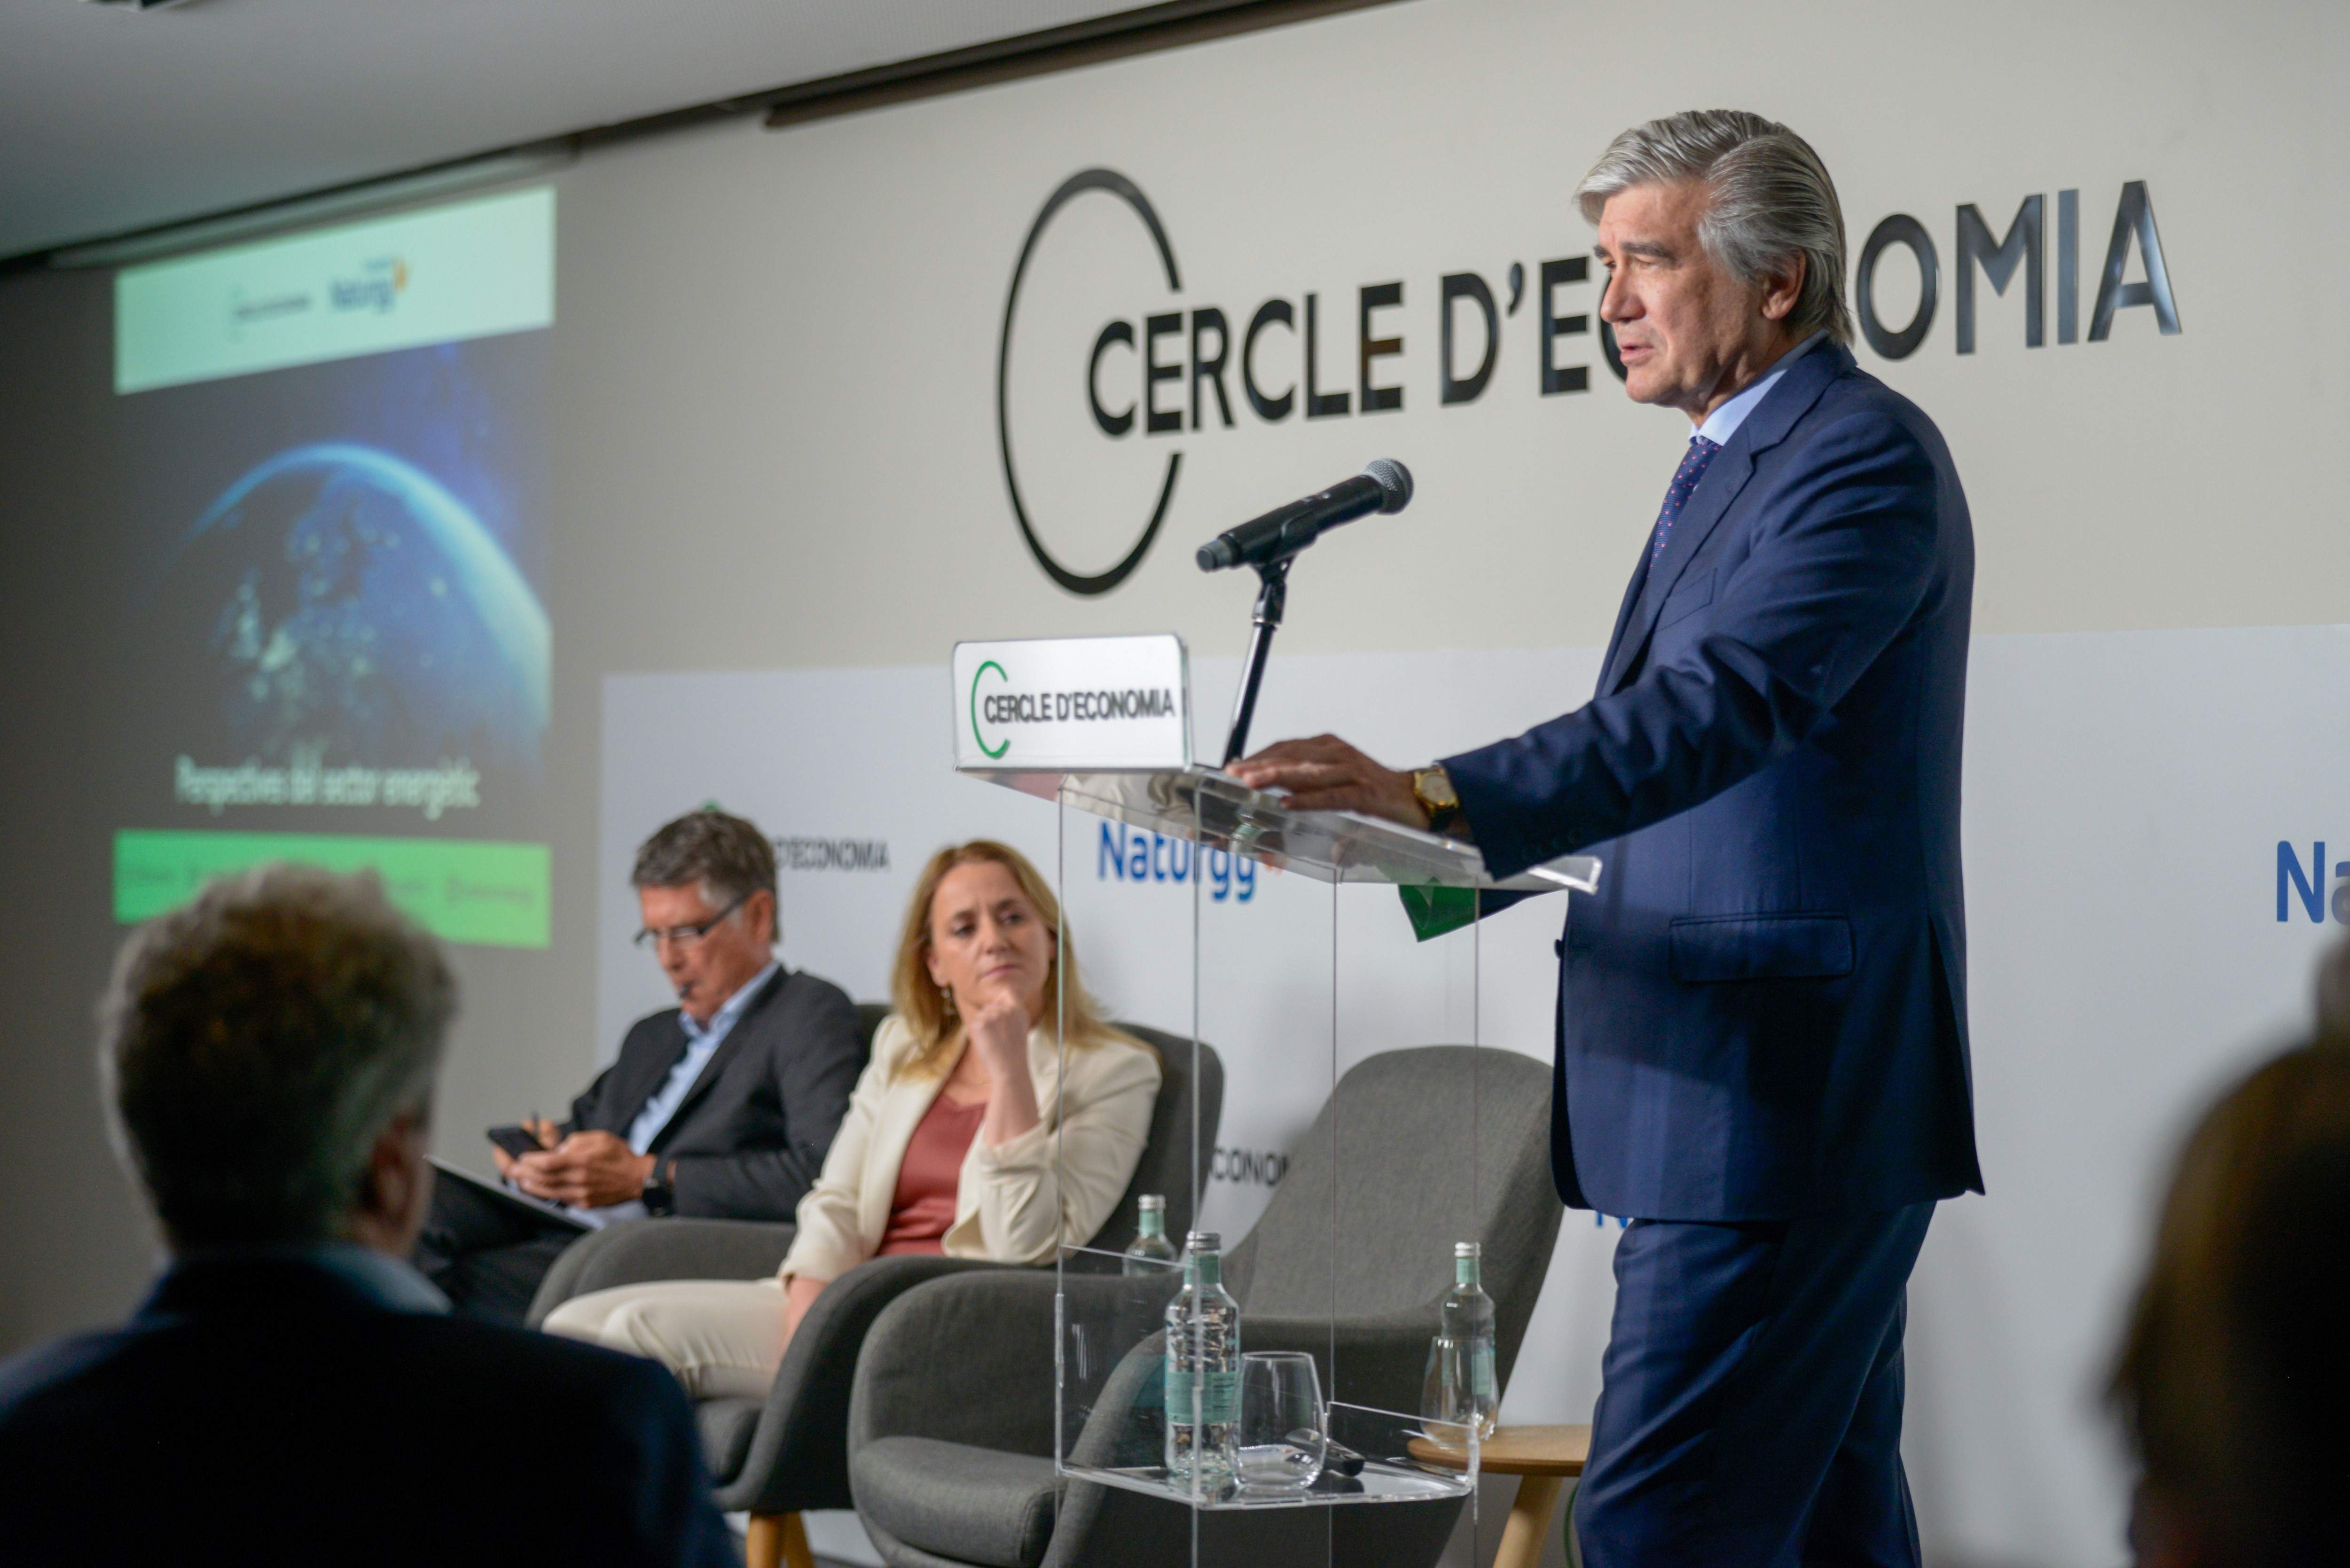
(779, 1456)
(951, 1452)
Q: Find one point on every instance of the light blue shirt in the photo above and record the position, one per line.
(701, 1043)
(1723, 422)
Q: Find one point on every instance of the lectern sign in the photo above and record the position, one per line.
(1072, 704)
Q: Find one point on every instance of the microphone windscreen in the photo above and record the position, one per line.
(1394, 480)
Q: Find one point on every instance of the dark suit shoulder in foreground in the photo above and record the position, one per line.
(267, 1412)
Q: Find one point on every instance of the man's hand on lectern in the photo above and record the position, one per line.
(1325, 774)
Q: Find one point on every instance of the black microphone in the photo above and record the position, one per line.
(1384, 485)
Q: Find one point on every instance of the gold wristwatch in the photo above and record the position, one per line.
(1432, 787)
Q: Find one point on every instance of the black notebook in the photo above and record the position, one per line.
(539, 1207)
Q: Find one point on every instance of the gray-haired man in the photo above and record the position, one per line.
(722, 1107)
(1762, 1029)
(291, 1391)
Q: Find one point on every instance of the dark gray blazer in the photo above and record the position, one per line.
(751, 1135)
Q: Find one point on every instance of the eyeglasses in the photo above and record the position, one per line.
(686, 936)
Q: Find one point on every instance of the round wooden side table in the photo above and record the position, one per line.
(1543, 1458)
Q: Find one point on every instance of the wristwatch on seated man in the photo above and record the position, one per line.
(660, 1197)
(1432, 787)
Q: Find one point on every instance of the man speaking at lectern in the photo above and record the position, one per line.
(1762, 1036)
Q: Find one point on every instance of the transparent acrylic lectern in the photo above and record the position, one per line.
(1368, 1138)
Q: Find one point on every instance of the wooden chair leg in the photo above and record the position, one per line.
(795, 1547)
(1528, 1529)
(777, 1541)
(763, 1544)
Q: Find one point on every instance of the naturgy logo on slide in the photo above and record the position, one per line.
(443, 275)
(378, 288)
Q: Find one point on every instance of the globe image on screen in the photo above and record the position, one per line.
(341, 600)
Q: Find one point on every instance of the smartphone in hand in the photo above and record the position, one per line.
(516, 1140)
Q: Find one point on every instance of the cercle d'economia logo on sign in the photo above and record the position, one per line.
(1106, 370)
(991, 741)
(1088, 703)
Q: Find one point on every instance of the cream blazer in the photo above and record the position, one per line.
(1010, 1206)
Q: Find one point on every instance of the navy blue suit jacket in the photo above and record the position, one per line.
(1762, 1011)
(266, 1410)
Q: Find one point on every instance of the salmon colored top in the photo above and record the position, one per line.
(924, 1206)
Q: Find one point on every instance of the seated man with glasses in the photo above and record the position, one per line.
(722, 1107)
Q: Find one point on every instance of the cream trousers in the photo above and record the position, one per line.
(723, 1338)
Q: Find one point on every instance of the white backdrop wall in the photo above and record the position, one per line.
(2128, 780)
(787, 341)
(776, 452)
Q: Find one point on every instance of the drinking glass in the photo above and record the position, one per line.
(1285, 1431)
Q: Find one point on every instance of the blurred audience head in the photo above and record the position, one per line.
(267, 1054)
(2235, 1373)
(2334, 993)
(706, 889)
(1004, 879)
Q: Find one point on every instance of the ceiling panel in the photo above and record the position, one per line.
(112, 120)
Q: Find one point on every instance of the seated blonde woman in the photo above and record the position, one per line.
(948, 1145)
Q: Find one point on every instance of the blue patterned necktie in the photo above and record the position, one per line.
(1693, 469)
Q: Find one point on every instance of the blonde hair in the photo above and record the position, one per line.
(928, 1012)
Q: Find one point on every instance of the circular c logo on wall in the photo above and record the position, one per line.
(1110, 182)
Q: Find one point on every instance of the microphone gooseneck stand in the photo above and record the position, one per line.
(1271, 542)
(1271, 600)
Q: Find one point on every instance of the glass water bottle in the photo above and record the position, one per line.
(1151, 1251)
(1460, 1387)
(1204, 1371)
